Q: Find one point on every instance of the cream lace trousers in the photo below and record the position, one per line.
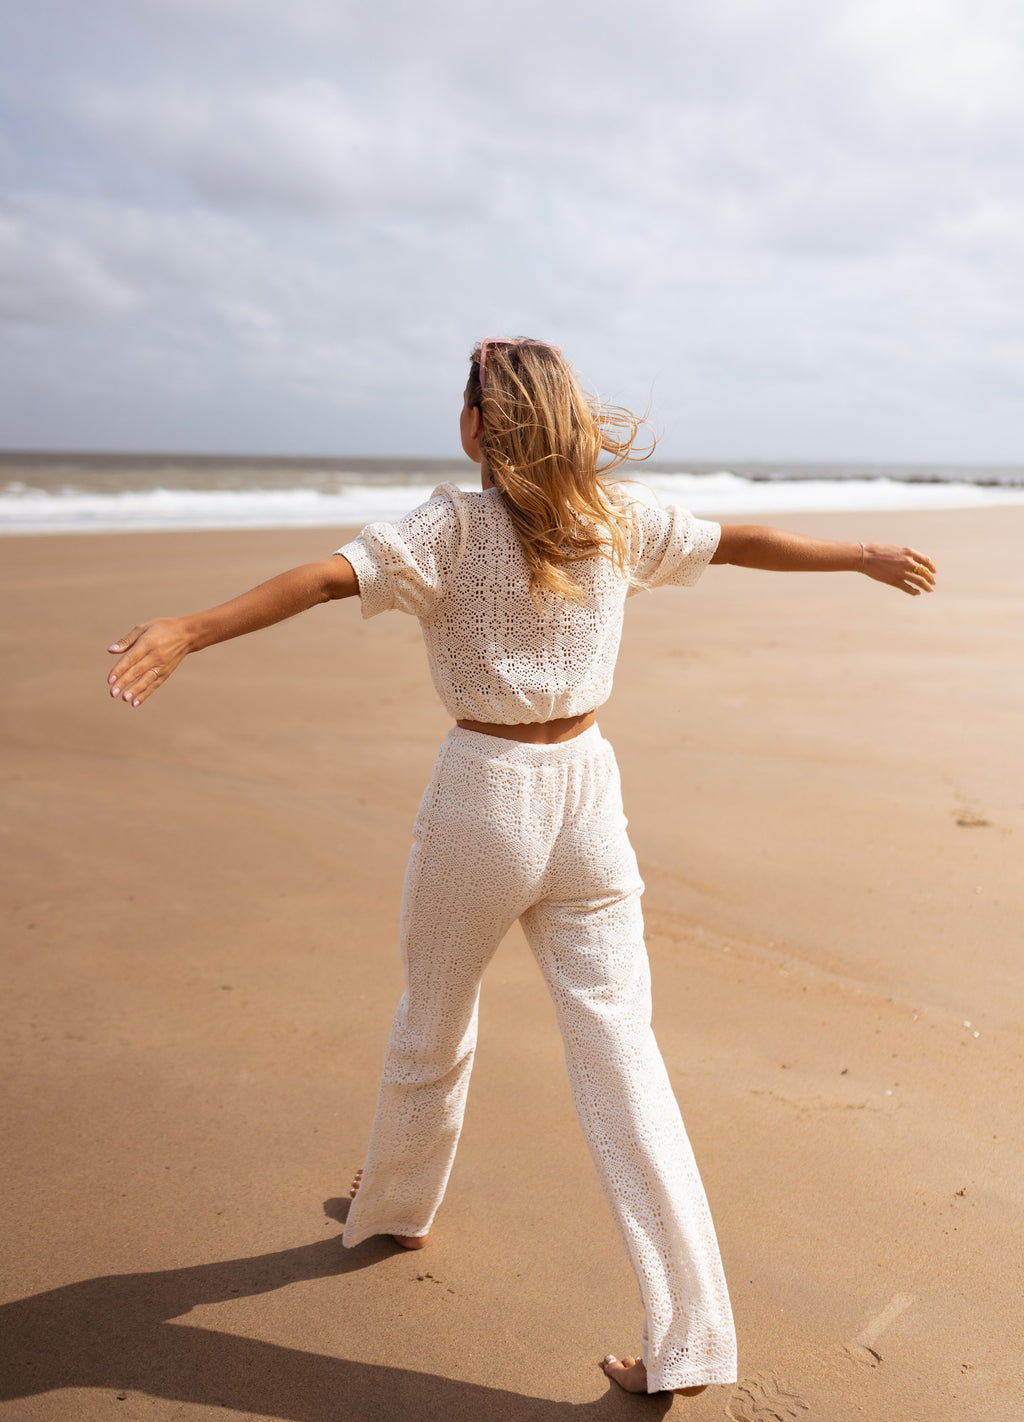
(509, 831)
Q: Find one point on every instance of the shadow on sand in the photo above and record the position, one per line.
(116, 1333)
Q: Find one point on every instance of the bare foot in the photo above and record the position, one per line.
(407, 1241)
(631, 1375)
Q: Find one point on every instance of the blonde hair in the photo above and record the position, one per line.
(543, 439)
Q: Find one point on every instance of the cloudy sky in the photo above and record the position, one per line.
(793, 228)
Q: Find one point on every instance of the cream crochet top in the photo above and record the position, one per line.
(455, 563)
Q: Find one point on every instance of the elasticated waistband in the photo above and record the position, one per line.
(497, 748)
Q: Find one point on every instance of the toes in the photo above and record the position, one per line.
(628, 1372)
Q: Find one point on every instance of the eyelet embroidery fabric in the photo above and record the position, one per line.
(542, 828)
(508, 830)
(455, 563)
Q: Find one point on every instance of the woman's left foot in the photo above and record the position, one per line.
(631, 1375)
(407, 1241)
(411, 1241)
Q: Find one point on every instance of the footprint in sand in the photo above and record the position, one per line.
(764, 1397)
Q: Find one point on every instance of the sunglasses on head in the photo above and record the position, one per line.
(500, 341)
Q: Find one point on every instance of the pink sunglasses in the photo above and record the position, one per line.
(501, 341)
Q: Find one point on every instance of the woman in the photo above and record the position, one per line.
(519, 590)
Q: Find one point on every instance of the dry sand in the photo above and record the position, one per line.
(825, 793)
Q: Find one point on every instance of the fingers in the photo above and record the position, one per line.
(146, 685)
(123, 643)
(150, 653)
(138, 684)
(906, 569)
(130, 669)
(923, 559)
(130, 665)
(919, 576)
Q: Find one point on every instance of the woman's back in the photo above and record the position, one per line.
(498, 654)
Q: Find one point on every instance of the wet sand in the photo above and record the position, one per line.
(201, 903)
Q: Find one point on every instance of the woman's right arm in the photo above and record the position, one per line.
(755, 546)
(151, 651)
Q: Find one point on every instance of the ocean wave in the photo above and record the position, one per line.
(24, 509)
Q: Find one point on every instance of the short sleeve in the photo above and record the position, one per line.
(672, 547)
(408, 566)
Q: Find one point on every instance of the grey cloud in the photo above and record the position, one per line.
(798, 224)
(302, 147)
(47, 276)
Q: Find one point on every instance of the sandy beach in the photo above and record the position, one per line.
(200, 965)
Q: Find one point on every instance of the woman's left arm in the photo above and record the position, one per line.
(151, 651)
(752, 546)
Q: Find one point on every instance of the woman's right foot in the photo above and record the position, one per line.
(631, 1375)
(407, 1241)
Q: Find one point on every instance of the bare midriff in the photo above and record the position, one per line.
(536, 733)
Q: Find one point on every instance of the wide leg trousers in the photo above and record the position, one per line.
(509, 831)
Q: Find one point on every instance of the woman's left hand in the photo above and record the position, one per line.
(151, 652)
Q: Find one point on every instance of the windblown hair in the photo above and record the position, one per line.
(543, 441)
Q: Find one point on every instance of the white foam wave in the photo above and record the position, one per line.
(26, 510)
(728, 494)
(73, 511)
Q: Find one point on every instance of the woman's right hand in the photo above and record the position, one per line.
(150, 652)
(903, 568)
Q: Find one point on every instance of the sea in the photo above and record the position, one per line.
(109, 493)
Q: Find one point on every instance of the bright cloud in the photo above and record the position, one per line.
(250, 226)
